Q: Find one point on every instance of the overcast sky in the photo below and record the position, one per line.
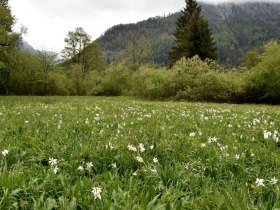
(48, 21)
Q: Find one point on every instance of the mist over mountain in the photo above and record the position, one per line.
(237, 28)
(27, 47)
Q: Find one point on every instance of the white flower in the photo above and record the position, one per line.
(109, 146)
(96, 192)
(141, 148)
(155, 160)
(52, 161)
(152, 147)
(266, 134)
(192, 134)
(5, 152)
(89, 165)
(131, 148)
(259, 182)
(80, 168)
(55, 170)
(237, 157)
(153, 170)
(202, 145)
(134, 174)
(139, 159)
(274, 180)
(114, 165)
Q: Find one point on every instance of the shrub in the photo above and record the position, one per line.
(116, 80)
(264, 78)
(151, 83)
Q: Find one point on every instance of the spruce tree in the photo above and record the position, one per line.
(192, 35)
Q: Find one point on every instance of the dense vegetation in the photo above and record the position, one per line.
(84, 72)
(237, 28)
(117, 153)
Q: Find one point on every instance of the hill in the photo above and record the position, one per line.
(237, 28)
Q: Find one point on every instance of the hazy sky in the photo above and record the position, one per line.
(48, 21)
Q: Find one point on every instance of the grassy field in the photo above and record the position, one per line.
(120, 153)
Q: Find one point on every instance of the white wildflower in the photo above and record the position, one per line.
(153, 170)
(192, 134)
(141, 148)
(55, 170)
(237, 156)
(89, 165)
(109, 146)
(274, 180)
(96, 192)
(139, 159)
(155, 160)
(132, 148)
(267, 134)
(5, 152)
(202, 145)
(114, 165)
(259, 182)
(52, 161)
(80, 168)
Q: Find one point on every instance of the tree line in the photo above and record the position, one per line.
(192, 74)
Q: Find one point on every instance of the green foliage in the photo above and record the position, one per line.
(8, 42)
(251, 59)
(137, 52)
(151, 83)
(76, 42)
(264, 79)
(116, 80)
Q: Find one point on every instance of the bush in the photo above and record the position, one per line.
(151, 83)
(116, 81)
(264, 78)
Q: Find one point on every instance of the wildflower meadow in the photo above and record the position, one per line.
(123, 153)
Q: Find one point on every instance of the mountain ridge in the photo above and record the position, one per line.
(237, 28)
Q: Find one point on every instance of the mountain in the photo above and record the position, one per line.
(237, 28)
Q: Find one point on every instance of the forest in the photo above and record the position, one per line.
(246, 71)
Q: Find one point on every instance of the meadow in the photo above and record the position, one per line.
(124, 153)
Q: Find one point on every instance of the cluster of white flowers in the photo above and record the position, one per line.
(53, 162)
(260, 182)
(109, 146)
(132, 148)
(5, 152)
(202, 145)
(269, 134)
(212, 140)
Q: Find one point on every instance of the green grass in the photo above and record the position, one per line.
(193, 170)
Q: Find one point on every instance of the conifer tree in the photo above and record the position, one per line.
(192, 35)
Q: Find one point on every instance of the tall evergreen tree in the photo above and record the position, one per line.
(192, 35)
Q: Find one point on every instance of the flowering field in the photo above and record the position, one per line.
(120, 153)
